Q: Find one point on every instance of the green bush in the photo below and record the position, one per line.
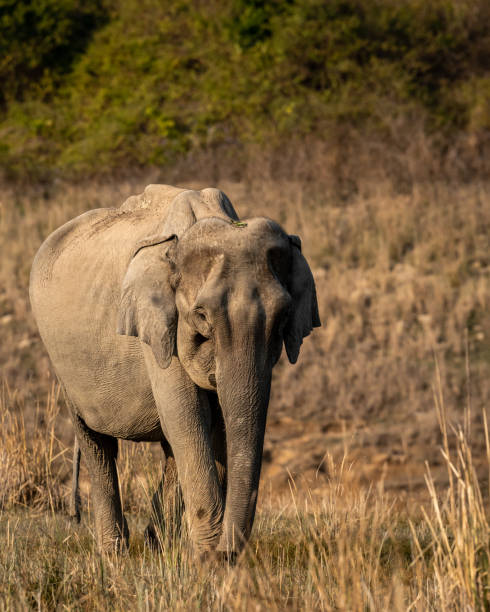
(90, 86)
(39, 42)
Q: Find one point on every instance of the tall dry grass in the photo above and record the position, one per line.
(353, 548)
(31, 459)
(402, 270)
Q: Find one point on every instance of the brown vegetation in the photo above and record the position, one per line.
(351, 549)
(403, 279)
(402, 266)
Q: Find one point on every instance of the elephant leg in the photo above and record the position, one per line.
(100, 453)
(185, 418)
(167, 506)
(75, 501)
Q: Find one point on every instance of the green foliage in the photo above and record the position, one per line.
(90, 87)
(39, 41)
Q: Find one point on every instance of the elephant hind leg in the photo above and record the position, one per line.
(100, 453)
(75, 501)
(167, 506)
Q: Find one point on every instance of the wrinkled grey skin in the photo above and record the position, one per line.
(163, 319)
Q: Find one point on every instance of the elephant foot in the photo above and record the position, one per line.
(117, 546)
(115, 543)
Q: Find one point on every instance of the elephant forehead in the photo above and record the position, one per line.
(218, 235)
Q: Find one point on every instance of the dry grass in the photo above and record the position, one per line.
(352, 549)
(31, 466)
(400, 277)
(403, 278)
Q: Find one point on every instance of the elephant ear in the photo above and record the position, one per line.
(304, 310)
(147, 309)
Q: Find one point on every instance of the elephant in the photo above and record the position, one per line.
(163, 319)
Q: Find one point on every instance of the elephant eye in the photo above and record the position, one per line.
(200, 315)
(200, 322)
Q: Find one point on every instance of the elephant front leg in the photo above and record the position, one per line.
(167, 508)
(185, 418)
(100, 453)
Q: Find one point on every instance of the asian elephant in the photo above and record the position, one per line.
(163, 319)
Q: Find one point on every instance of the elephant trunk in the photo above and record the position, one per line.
(243, 391)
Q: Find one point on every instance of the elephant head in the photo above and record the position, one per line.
(222, 299)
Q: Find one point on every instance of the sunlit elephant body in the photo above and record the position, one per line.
(163, 319)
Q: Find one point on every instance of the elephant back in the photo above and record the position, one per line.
(154, 196)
